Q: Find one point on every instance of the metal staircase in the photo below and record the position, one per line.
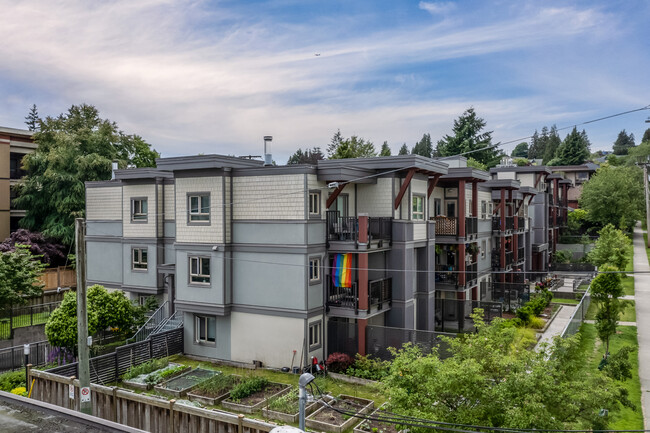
(173, 322)
(159, 317)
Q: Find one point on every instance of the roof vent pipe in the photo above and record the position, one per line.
(268, 159)
(113, 168)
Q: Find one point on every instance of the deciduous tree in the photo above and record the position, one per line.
(520, 151)
(19, 277)
(610, 248)
(48, 252)
(606, 289)
(73, 148)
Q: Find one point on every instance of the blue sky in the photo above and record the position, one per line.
(216, 76)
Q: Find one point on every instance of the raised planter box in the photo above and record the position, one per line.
(326, 419)
(370, 426)
(288, 417)
(143, 386)
(258, 400)
(207, 400)
(352, 379)
(180, 385)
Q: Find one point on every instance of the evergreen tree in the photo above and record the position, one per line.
(423, 147)
(307, 157)
(623, 143)
(520, 151)
(468, 136)
(403, 150)
(552, 142)
(335, 143)
(353, 147)
(646, 136)
(385, 150)
(535, 150)
(32, 120)
(574, 150)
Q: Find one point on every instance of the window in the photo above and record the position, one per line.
(418, 208)
(139, 209)
(139, 258)
(199, 206)
(200, 270)
(314, 204)
(341, 204)
(315, 330)
(483, 209)
(437, 206)
(490, 209)
(205, 329)
(314, 269)
(451, 209)
(483, 248)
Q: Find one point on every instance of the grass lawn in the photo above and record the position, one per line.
(628, 282)
(565, 301)
(628, 315)
(21, 321)
(326, 384)
(625, 419)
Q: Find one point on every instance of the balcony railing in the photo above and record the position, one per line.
(380, 295)
(471, 272)
(448, 226)
(522, 223)
(347, 228)
(521, 254)
(447, 274)
(496, 259)
(496, 224)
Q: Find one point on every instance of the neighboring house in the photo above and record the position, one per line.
(578, 175)
(14, 144)
(261, 261)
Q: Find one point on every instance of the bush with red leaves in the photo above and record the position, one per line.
(51, 253)
(339, 362)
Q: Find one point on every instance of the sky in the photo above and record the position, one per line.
(216, 76)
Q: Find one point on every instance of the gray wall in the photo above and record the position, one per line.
(104, 261)
(222, 348)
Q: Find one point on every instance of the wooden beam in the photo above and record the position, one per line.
(335, 194)
(404, 186)
(432, 184)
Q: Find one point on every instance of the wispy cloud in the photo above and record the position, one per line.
(437, 8)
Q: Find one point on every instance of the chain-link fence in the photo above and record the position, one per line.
(578, 316)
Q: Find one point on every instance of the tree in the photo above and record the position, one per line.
(423, 147)
(19, 277)
(468, 136)
(385, 150)
(488, 379)
(403, 150)
(574, 150)
(105, 310)
(610, 248)
(50, 253)
(307, 157)
(32, 120)
(520, 151)
(471, 162)
(73, 148)
(353, 147)
(536, 148)
(623, 143)
(646, 136)
(614, 195)
(606, 289)
(552, 142)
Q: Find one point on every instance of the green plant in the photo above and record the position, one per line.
(145, 368)
(160, 376)
(338, 362)
(366, 367)
(11, 380)
(286, 403)
(218, 384)
(21, 390)
(248, 387)
(536, 323)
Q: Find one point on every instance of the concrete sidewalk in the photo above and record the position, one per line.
(562, 318)
(642, 300)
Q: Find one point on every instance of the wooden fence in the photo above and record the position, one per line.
(108, 368)
(139, 410)
(62, 276)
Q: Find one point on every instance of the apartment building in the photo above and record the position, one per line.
(14, 144)
(575, 176)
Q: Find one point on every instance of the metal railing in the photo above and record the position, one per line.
(380, 293)
(343, 297)
(578, 316)
(13, 358)
(380, 228)
(347, 228)
(496, 224)
(28, 315)
(158, 317)
(521, 221)
(471, 226)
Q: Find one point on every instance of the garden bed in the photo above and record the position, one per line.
(285, 407)
(147, 381)
(180, 385)
(214, 390)
(374, 426)
(329, 420)
(257, 400)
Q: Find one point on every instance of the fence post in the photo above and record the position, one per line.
(171, 415)
(240, 423)
(150, 348)
(28, 376)
(31, 315)
(114, 407)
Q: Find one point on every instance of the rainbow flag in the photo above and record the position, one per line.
(341, 270)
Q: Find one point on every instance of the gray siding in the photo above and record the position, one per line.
(104, 261)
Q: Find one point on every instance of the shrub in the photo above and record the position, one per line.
(536, 323)
(248, 387)
(366, 367)
(11, 380)
(21, 390)
(338, 362)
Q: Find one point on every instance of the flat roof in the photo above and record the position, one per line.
(16, 131)
(524, 169)
(355, 168)
(199, 162)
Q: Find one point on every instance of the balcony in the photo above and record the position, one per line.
(496, 259)
(448, 226)
(496, 224)
(346, 229)
(521, 221)
(380, 295)
(521, 254)
(449, 275)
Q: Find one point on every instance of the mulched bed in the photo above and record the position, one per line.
(370, 426)
(253, 399)
(332, 417)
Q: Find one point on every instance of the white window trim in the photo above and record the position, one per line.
(315, 264)
(197, 326)
(417, 215)
(315, 335)
(136, 205)
(201, 272)
(197, 217)
(314, 204)
(144, 265)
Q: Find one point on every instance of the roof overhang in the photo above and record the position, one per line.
(354, 169)
(201, 162)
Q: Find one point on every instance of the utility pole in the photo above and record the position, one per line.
(82, 319)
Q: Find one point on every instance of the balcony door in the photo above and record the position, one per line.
(450, 206)
(341, 204)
